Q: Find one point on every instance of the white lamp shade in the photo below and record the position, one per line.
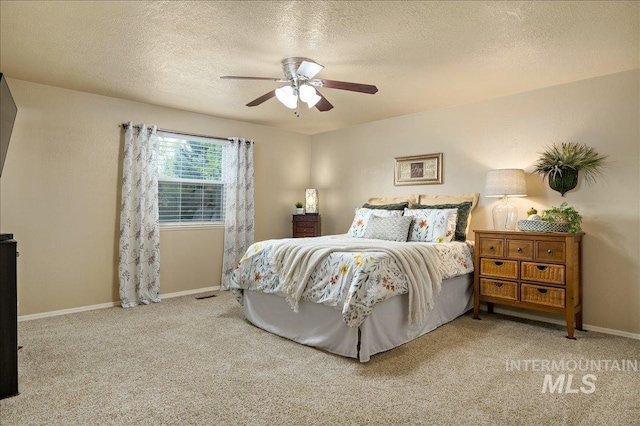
(311, 198)
(287, 97)
(505, 182)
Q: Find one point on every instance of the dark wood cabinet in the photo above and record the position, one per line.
(306, 225)
(8, 320)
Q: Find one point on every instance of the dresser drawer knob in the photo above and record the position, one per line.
(550, 251)
(519, 249)
(542, 268)
(542, 290)
(490, 247)
(498, 284)
(498, 263)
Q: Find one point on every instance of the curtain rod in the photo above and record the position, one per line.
(135, 126)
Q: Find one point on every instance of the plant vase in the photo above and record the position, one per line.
(565, 180)
(300, 210)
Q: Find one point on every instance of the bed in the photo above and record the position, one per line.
(364, 292)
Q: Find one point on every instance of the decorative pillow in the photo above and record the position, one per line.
(432, 225)
(411, 199)
(430, 200)
(388, 228)
(361, 219)
(464, 211)
(396, 206)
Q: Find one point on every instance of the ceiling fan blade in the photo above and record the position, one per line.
(309, 69)
(254, 78)
(262, 98)
(354, 87)
(323, 104)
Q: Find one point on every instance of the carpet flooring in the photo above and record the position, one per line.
(186, 361)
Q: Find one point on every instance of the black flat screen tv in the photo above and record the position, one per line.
(8, 111)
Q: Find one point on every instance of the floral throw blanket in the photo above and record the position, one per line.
(352, 282)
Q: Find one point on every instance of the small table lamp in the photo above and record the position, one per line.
(505, 183)
(311, 198)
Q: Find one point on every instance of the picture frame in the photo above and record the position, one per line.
(418, 170)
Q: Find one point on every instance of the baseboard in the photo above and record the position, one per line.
(109, 305)
(66, 311)
(189, 292)
(534, 317)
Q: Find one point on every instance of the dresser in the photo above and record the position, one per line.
(306, 225)
(532, 270)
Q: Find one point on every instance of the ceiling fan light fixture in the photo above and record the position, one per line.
(314, 101)
(287, 96)
(309, 95)
(306, 92)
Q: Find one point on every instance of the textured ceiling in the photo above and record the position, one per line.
(421, 55)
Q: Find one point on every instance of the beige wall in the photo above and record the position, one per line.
(61, 188)
(60, 185)
(350, 165)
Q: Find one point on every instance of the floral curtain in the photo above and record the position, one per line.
(239, 207)
(139, 267)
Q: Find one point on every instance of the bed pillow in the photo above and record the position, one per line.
(464, 213)
(430, 200)
(362, 216)
(396, 206)
(377, 201)
(388, 228)
(432, 225)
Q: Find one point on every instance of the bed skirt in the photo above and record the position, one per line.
(384, 329)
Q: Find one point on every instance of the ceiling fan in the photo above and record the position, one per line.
(301, 85)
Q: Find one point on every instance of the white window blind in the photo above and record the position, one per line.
(190, 179)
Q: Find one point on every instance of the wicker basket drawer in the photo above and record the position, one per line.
(520, 249)
(542, 272)
(499, 289)
(539, 295)
(499, 268)
(550, 251)
(491, 247)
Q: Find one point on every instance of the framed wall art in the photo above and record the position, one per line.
(418, 170)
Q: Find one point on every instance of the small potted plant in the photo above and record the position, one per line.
(299, 208)
(565, 213)
(561, 164)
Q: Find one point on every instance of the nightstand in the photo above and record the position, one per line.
(306, 225)
(532, 270)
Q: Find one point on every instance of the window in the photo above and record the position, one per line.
(190, 181)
